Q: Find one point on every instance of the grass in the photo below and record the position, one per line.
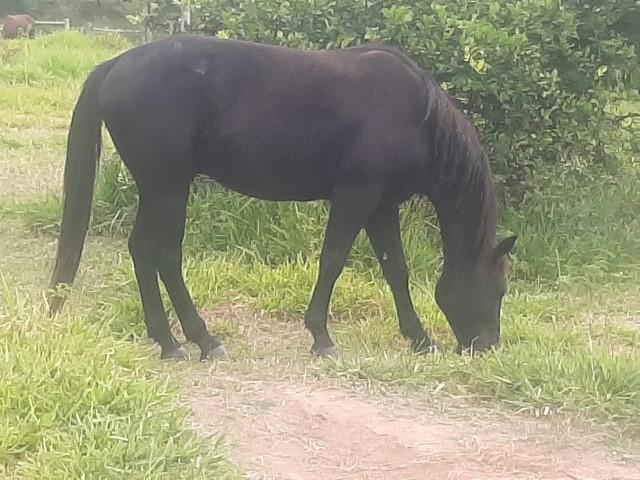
(72, 390)
(552, 360)
(75, 402)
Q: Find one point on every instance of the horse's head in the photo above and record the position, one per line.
(471, 298)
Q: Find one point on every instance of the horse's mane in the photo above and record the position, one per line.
(464, 185)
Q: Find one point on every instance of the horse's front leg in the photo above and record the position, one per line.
(351, 207)
(383, 230)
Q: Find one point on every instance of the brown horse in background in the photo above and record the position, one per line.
(13, 25)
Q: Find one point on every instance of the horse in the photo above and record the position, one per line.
(13, 25)
(364, 128)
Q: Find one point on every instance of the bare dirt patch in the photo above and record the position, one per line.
(285, 424)
(38, 177)
(301, 431)
(25, 258)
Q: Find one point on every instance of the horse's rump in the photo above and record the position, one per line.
(13, 25)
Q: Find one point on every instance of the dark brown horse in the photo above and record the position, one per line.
(364, 128)
(14, 25)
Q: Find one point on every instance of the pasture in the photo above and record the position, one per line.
(86, 395)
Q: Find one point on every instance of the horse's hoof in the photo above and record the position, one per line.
(218, 352)
(424, 346)
(178, 353)
(325, 352)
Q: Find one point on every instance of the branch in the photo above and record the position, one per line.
(622, 118)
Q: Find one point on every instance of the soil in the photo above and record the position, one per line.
(302, 427)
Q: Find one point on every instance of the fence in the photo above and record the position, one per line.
(120, 31)
(173, 26)
(66, 23)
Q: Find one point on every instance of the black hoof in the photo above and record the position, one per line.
(209, 346)
(325, 352)
(177, 353)
(424, 346)
(218, 352)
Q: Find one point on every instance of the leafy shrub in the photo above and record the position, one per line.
(537, 77)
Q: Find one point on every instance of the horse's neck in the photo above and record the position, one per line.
(467, 225)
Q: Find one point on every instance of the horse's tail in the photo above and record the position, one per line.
(83, 152)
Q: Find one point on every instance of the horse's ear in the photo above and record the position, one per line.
(504, 247)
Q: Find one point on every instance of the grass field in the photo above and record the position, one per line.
(76, 395)
(76, 401)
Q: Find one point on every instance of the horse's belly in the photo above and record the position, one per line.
(273, 190)
(285, 163)
(262, 177)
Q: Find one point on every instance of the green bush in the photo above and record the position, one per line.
(536, 76)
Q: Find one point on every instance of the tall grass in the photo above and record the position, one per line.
(55, 59)
(579, 232)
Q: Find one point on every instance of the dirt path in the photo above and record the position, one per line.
(285, 425)
(310, 431)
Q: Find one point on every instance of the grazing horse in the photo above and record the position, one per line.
(13, 25)
(364, 128)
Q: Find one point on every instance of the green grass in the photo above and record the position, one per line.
(77, 403)
(52, 60)
(565, 236)
(71, 390)
(551, 368)
(76, 399)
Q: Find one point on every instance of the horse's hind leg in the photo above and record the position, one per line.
(350, 210)
(158, 236)
(146, 270)
(383, 230)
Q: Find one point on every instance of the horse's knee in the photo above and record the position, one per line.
(331, 263)
(395, 273)
(137, 246)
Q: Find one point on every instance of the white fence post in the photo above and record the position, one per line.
(66, 24)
